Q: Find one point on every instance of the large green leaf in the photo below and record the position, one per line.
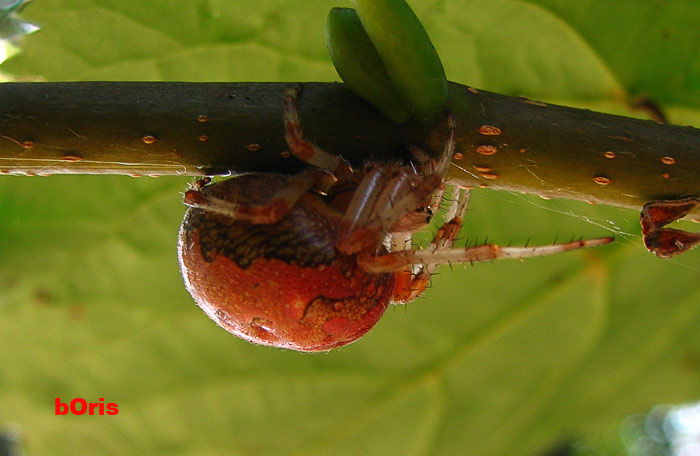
(501, 358)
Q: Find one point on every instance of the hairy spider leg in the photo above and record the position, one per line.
(277, 207)
(268, 213)
(304, 149)
(411, 281)
(436, 200)
(410, 285)
(458, 202)
(668, 242)
(403, 278)
(486, 252)
(441, 251)
(388, 193)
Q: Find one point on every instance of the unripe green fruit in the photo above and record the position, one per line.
(358, 64)
(408, 55)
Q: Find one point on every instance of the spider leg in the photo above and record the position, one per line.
(267, 213)
(359, 210)
(277, 207)
(448, 152)
(302, 148)
(404, 280)
(436, 200)
(442, 251)
(486, 252)
(458, 203)
(444, 239)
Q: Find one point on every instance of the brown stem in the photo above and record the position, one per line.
(561, 152)
(217, 128)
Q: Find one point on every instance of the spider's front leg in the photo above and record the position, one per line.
(410, 285)
(269, 212)
(441, 252)
(303, 149)
(278, 205)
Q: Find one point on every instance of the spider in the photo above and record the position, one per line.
(311, 261)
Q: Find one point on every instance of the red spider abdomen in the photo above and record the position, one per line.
(281, 284)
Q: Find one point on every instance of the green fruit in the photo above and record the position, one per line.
(359, 65)
(407, 53)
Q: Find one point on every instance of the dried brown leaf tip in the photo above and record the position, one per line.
(668, 242)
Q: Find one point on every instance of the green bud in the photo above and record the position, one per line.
(407, 53)
(358, 64)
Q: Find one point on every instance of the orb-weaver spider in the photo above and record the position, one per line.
(310, 262)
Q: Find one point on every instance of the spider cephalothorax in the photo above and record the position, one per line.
(302, 262)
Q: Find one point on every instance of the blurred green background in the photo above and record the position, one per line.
(503, 358)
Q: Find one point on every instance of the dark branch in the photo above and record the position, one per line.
(218, 128)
